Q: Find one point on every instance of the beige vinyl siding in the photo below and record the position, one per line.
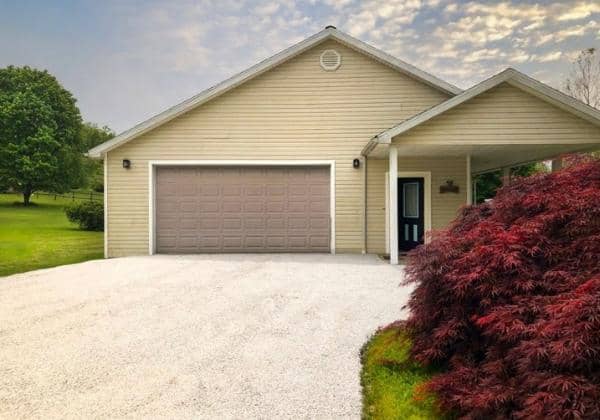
(444, 207)
(503, 115)
(376, 186)
(295, 111)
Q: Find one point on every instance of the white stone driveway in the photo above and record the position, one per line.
(226, 336)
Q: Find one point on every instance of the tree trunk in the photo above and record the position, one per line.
(27, 196)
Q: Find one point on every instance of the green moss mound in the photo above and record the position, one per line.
(391, 380)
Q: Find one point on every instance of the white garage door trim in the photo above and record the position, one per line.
(152, 164)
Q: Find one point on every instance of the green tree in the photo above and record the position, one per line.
(486, 184)
(40, 142)
(91, 136)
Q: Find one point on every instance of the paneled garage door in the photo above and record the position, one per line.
(242, 209)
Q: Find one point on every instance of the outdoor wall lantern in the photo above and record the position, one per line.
(126, 163)
(356, 163)
(449, 187)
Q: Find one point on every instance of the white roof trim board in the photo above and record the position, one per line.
(510, 76)
(262, 67)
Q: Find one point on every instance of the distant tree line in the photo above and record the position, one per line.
(488, 183)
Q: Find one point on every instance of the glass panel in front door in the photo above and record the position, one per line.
(410, 199)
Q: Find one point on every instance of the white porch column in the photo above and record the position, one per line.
(393, 188)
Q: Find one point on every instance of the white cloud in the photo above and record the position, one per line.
(519, 56)
(534, 25)
(338, 4)
(451, 8)
(432, 3)
(544, 39)
(267, 8)
(551, 56)
(365, 16)
(520, 11)
(483, 54)
(569, 32)
(361, 23)
(575, 31)
(580, 11)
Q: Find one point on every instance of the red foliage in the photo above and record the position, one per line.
(508, 301)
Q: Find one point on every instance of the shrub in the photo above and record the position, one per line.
(98, 186)
(89, 215)
(507, 301)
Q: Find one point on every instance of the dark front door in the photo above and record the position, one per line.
(411, 219)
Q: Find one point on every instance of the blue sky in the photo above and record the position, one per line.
(126, 60)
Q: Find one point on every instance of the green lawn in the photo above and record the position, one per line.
(389, 379)
(40, 236)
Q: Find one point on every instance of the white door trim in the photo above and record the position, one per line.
(152, 164)
(426, 175)
(387, 213)
(393, 220)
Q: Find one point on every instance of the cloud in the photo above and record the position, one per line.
(493, 34)
(367, 15)
(337, 4)
(580, 11)
(575, 31)
(480, 55)
(551, 56)
(267, 8)
(511, 10)
(361, 23)
(534, 25)
(544, 38)
(519, 56)
(451, 8)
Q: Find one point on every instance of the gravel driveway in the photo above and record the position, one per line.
(240, 336)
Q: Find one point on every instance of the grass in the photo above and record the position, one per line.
(40, 236)
(389, 379)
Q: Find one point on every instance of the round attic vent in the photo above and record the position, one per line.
(330, 60)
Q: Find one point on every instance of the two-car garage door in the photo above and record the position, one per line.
(203, 209)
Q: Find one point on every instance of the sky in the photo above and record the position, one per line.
(127, 60)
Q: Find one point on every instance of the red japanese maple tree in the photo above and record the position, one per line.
(507, 301)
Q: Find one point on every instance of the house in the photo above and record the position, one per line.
(294, 154)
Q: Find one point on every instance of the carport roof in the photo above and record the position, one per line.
(510, 76)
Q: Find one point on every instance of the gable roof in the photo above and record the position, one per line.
(329, 32)
(510, 76)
